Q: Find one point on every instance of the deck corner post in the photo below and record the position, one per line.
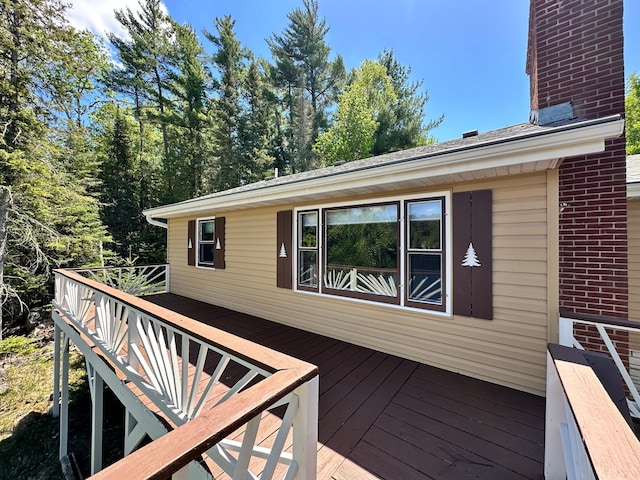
(55, 408)
(97, 422)
(555, 415)
(64, 400)
(305, 430)
(167, 278)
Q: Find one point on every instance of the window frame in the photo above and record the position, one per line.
(401, 300)
(298, 249)
(441, 306)
(352, 293)
(199, 263)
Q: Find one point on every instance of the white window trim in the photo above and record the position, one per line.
(402, 199)
(198, 220)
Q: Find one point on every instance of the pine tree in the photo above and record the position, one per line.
(190, 116)
(255, 126)
(401, 123)
(229, 61)
(309, 80)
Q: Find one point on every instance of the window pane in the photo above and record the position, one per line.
(308, 269)
(206, 253)
(425, 219)
(362, 249)
(206, 231)
(425, 277)
(308, 230)
(356, 215)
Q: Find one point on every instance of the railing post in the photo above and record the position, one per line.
(554, 463)
(565, 331)
(167, 278)
(97, 421)
(64, 401)
(57, 333)
(305, 430)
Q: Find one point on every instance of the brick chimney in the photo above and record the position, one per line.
(576, 70)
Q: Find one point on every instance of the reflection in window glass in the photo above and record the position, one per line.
(206, 231)
(307, 268)
(425, 277)
(308, 229)
(205, 242)
(425, 219)
(308, 250)
(362, 249)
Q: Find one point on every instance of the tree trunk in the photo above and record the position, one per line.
(5, 206)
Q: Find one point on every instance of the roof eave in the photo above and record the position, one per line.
(511, 156)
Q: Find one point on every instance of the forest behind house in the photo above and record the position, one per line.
(92, 133)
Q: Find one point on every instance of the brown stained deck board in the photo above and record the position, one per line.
(449, 403)
(385, 417)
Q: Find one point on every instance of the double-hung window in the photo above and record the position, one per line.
(390, 251)
(206, 242)
(425, 253)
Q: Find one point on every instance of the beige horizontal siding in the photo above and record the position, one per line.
(508, 350)
(634, 268)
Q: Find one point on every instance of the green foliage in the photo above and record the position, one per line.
(632, 114)
(229, 59)
(17, 345)
(401, 122)
(352, 135)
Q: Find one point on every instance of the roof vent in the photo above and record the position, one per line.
(339, 162)
(470, 133)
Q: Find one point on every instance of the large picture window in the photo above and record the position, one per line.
(361, 250)
(391, 252)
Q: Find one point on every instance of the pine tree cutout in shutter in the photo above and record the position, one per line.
(284, 242)
(472, 254)
(191, 242)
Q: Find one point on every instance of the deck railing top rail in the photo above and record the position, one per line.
(180, 365)
(586, 435)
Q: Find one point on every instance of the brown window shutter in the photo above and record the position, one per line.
(472, 254)
(284, 252)
(191, 243)
(218, 250)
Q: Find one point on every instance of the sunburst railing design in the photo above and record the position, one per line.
(135, 280)
(190, 371)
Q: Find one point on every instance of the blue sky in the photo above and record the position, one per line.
(470, 54)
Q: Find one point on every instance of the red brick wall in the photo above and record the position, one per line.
(576, 55)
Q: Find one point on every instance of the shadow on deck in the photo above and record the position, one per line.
(382, 416)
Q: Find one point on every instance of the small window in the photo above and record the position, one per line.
(425, 255)
(206, 242)
(308, 250)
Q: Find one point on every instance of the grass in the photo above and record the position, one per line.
(28, 433)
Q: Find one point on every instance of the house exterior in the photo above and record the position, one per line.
(633, 198)
(459, 255)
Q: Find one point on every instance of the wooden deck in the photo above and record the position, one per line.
(382, 416)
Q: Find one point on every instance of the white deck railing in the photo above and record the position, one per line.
(586, 435)
(135, 280)
(605, 328)
(204, 383)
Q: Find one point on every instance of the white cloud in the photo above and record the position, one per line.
(98, 17)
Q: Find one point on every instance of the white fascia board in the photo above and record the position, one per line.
(633, 190)
(542, 152)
